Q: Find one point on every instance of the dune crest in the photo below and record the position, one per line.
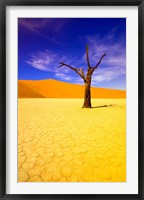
(57, 89)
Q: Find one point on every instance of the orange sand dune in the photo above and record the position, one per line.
(26, 92)
(57, 89)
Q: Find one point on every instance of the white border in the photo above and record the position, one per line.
(131, 186)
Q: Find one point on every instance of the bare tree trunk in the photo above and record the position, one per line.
(87, 96)
(87, 78)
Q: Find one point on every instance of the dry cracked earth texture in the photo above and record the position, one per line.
(58, 141)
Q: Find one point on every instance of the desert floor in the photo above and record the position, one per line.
(58, 141)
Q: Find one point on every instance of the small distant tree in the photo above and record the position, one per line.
(86, 78)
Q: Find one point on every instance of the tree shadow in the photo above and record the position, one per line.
(103, 106)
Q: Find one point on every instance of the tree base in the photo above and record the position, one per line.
(87, 96)
(87, 106)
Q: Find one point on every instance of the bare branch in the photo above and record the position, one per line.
(87, 56)
(81, 71)
(98, 62)
(78, 71)
(63, 64)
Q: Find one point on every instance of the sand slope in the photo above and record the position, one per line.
(58, 141)
(56, 89)
(27, 92)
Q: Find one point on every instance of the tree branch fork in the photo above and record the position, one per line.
(80, 71)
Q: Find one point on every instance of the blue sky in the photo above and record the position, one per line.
(45, 42)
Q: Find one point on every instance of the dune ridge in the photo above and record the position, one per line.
(56, 89)
(27, 92)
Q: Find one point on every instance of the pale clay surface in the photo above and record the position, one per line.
(58, 141)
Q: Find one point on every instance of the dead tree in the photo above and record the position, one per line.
(86, 78)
